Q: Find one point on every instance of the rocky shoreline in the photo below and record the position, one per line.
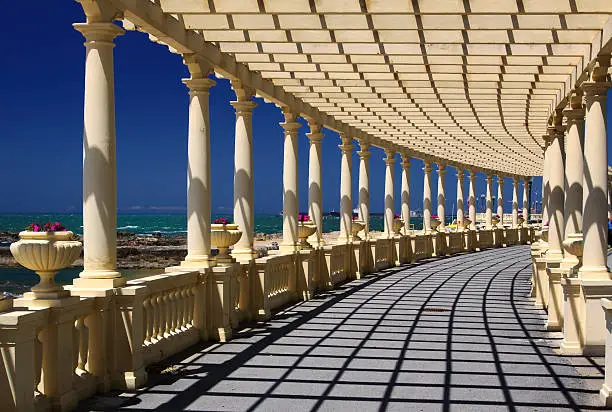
(137, 251)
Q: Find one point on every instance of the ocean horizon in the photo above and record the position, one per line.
(168, 223)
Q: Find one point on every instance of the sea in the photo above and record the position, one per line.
(15, 280)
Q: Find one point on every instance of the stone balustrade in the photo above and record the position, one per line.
(92, 344)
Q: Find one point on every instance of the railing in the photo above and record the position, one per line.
(61, 353)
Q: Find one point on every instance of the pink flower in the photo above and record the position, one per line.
(221, 221)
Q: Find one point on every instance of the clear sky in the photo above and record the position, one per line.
(41, 120)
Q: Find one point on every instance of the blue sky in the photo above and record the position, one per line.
(41, 105)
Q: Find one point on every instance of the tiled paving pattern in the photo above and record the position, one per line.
(451, 334)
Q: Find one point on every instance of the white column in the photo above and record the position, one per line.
(556, 180)
(99, 156)
(489, 200)
(574, 164)
(389, 212)
(315, 182)
(364, 186)
(441, 195)
(526, 199)
(472, 200)
(460, 178)
(427, 196)
(198, 179)
(406, 192)
(515, 202)
(594, 187)
(500, 199)
(346, 190)
(545, 185)
(290, 182)
(244, 215)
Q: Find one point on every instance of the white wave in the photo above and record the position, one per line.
(127, 227)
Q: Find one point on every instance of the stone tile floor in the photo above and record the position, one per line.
(455, 333)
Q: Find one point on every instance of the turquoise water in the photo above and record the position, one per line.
(167, 223)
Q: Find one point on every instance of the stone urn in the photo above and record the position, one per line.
(544, 235)
(304, 231)
(223, 236)
(356, 227)
(397, 225)
(434, 222)
(494, 220)
(521, 220)
(465, 224)
(46, 253)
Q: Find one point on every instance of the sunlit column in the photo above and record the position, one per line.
(526, 182)
(500, 199)
(556, 180)
(545, 184)
(346, 189)
(427, 196)
(441, 195)
(594, 188)
(406, 192)
(315, 182)
(515, 201)
(290, 181)
(472, 199)
(574, 163)
(460, 179)
(489, 200)
(389, 212)
(364, 185)
(99, 153)
(244, 215)
(198, 179)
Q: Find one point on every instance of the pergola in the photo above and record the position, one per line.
(513, 88)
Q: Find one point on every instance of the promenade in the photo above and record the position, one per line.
(456, 333)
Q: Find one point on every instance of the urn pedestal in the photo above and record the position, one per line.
(304, 231)
(356, 227)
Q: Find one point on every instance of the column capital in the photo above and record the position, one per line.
(500, 177)
(290, 125)
(390, 159)
(198, 67)
(441, 169)
(244, 108)
(460, 174)
(405, 162)
(243, 93)
(364, 152)
(315, 136)
(199, 86)
(347, 145)
(489, 178)
(103, 33)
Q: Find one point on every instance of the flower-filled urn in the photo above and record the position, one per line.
(224, 235)
(46, 249)
(356, 227)
(305, 229)
(397, 224)
(465, 224)
(434, 222)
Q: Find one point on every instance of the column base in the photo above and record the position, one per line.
(198, 262)
(92, 283)
(288, 247)
(572, 315)
(555, 295)
(99, 274)
(31, 302)
(593, 323)
(605, 394)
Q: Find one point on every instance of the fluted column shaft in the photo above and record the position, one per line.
(315, 182)
(556, 180)
(99, 153)
(427, 196)
(441, 195)
(290, 182)
(406, 192)
(389, 212)
(244, 215)
(594, 188)
(515, 202)
(489, 200)
(346, 189)
(460, 178)
(500, 199)
(472, 200)
(364, 186)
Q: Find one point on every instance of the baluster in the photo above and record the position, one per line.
(83, 344)
(192, 301)
(146, 304)
(39, 343)
(186, 300)
(166, 311)
(161, 313)
(176, 311)
(76, 340)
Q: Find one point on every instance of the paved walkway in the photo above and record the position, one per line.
(451, 334)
